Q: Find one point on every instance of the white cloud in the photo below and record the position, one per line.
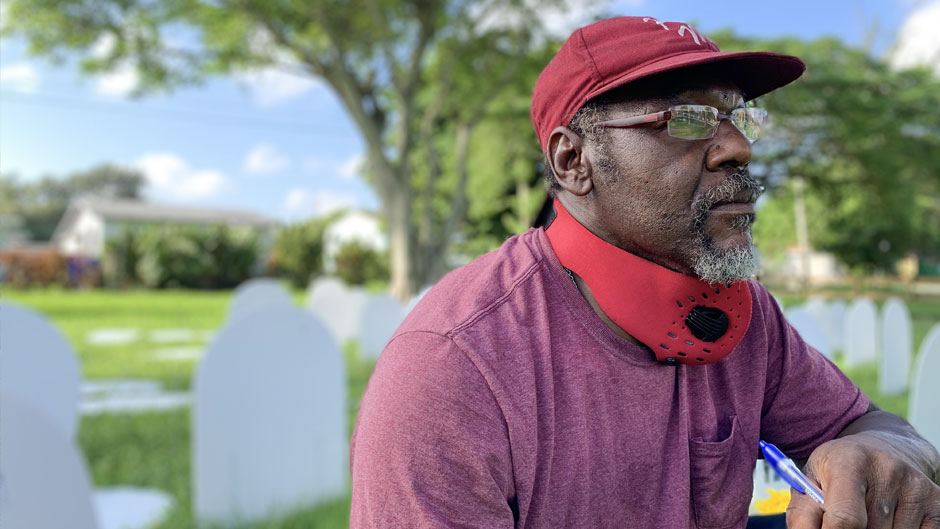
(169, 175)
(919, 39)
(347, 169)
(274, 85)
(284, 81)
(303, 202)
(119, 83)
(265, 159)
(123, 79)
(352, 167)
(21, 76)
(558, 19)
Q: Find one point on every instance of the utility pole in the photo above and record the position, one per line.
(802, 232)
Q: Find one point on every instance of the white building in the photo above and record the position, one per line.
(88, 223)
(355, 226)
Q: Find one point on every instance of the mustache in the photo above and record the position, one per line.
(739, 186)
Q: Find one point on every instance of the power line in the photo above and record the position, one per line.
(189, 116)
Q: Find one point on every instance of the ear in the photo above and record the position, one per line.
(572, 168)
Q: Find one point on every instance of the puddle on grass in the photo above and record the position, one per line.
(131, 507)
(172, 335)
(178, 354)
(112, 336)
(124, 395)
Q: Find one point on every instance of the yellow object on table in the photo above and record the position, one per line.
(775, 504)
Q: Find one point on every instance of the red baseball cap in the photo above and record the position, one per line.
(613, 52)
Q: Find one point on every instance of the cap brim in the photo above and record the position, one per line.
(755, 73)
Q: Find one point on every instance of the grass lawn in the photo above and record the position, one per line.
(153, 449)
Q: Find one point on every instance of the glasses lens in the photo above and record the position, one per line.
(693, 122)
(750, 121)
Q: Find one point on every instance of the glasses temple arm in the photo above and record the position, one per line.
(635, 121)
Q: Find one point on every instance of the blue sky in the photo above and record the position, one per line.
(282, 145)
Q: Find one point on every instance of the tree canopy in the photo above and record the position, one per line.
(40, 203)
(439, 91)
(399, 68)
(866, 139)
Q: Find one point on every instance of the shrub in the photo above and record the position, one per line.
(121, 256)
(194, 257)
(28, 267)
(298, 251)
(357, 264)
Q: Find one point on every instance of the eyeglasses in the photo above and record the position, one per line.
(698, 122)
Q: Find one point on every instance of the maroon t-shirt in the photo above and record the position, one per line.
(504, 401)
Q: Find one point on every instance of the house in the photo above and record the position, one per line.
(88, 224)
(354, 226)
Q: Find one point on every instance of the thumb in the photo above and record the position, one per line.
(803, 512)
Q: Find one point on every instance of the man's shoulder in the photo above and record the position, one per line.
(478, 287)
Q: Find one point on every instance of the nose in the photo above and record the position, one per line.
(729, 147)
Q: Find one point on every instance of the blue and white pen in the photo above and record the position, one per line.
(787, 469)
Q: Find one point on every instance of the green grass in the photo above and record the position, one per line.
(925, 313)
(153, 449)
(76, 313)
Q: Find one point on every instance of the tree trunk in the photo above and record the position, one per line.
(401, 244)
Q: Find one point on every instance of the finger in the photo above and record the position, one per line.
(803, 512)
(845, 503)
(881, 513)
(846, 508)
(909, 512)
(931, 522)
(932, 518)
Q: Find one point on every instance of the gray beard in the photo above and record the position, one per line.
(725, 266)
(717, 265)
(713, 265)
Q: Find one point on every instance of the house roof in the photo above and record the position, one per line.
(134, 210)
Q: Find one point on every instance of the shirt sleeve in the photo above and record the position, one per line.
(807, 400)
(431, 446)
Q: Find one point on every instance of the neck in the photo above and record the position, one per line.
(592, 301)
(680, 318)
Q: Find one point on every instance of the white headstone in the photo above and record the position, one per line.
(413, 302)
(338, 306)
(765, 478)
(924, 404)
(779, 303)
(269, 418)
(861, 332)
(380, 317)
(256, 294)
(835, 324)
(815, 305)
(810, 330)
(43, 480)
(38, 364)
(896, 348)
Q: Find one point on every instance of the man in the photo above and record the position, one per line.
(618, 368)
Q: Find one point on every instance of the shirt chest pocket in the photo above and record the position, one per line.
(721, 479)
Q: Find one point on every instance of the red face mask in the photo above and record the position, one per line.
(681, 318)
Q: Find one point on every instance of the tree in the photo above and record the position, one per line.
(40, 204)
(375, 54)
(298, 250)
(866, 139)
(357, 264)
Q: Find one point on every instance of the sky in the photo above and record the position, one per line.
(281, 145)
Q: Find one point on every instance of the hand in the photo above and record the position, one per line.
(869, 483)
